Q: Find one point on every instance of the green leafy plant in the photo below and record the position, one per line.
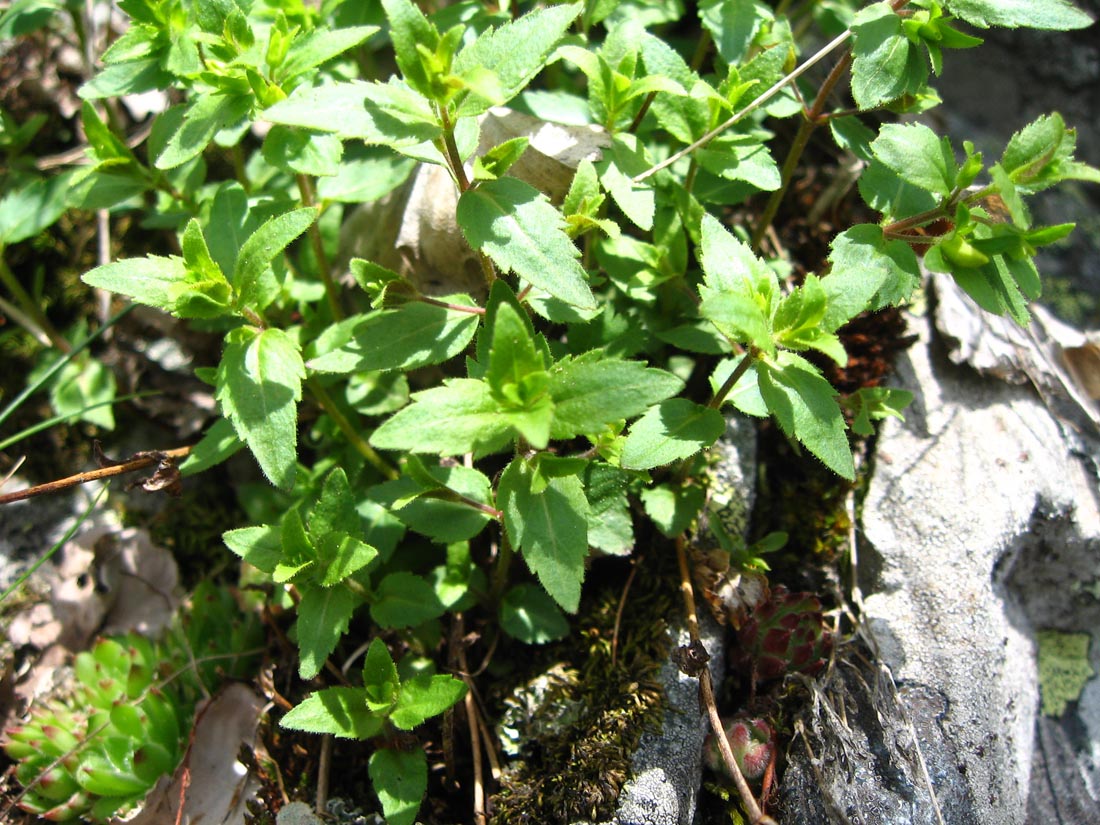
(420, 439)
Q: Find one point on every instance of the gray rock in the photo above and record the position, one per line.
(980, 527)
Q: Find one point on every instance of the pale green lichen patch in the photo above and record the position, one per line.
(1063, 668)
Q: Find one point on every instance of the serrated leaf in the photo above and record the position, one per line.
(918, 156)
(259, 383)
(516, 369)
(165, 283)
(806, 408)
(319, 46)
(341, 556)
(206, 115)
(868, 272)
(459, 417)
(869, 404)
(550, 528)
(423, 697)
(1058, 15)
(593, 390)
(335, 510)
(739, 292)
(390, 114)
(881, 54)
(262, 546)
(673, 430)
(400, 779)
(336, 710)
(412, 335)
(404, 600)
(380, 680)
(527, 613)
(260, 250)
(218, 443)
(126, 78)
(518, 228)
(409, 28)
(514, 53)
(323, 617)
(733, 24)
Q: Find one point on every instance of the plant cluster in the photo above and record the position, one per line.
(97, 750)
(578, 389)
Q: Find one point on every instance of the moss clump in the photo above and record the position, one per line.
(603, 697)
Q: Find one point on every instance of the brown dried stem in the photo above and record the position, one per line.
(138, 461)
(706, 692)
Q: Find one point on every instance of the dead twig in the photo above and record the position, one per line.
(166, 476)
(706, 691)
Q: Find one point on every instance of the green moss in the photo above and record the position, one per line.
(588, 720)
(1063, 668)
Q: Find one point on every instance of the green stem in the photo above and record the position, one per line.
(30, 306)
(751, 354)
(454, 161)
(305, 189)
(352, 435)
(810, 121)
(501, 570)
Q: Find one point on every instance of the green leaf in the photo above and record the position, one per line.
(459, 417)
(336, 710)
(731, 267)
(299, 553)
(806, 408)
(742, 158)
(335, 510)
(319, 46)
(25, 16)
(259, 383)
(27, 210)
(423, 697)
(527, 613)
(917, 156)
(516, 371)
(206, 115)
(1035, 14)
(733, 24)
(610, 523)
(390, 114)
(673, 430)
(400, 779)
(498, 160)
(405, 600)
(515, 225)
(869, 404)
(302, 153)
(262, 547)
(218, 443)
(380, 680)
(550, 528)
(868, 272)
(323, 617)
(432, 510)
(153, 281)
(126, 78)
(593, 391)
(673, 507)
(341, 556)
(623, 160)
(410, 29)
(882, 56)
(260, 250)
(413, 335)
(514, 53)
